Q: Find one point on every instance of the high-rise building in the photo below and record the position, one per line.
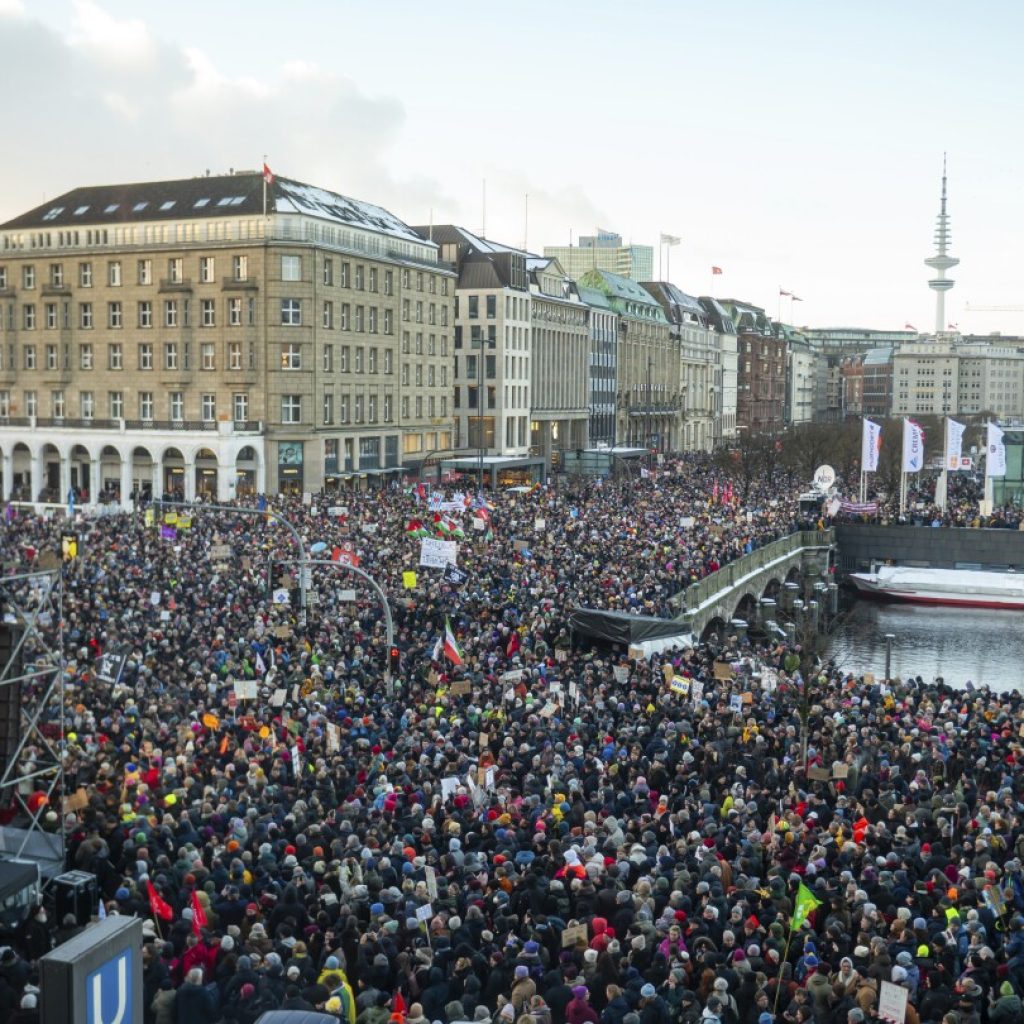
(219, 336)
(604, 251)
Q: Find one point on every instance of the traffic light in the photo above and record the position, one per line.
(394, 658)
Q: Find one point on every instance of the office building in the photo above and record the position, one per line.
(604, 251)
(217, 336)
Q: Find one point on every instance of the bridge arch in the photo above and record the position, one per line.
(716, 627)
(746, 608)
(772, 588)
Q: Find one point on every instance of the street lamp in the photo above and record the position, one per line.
(479, 344)
(889, 637)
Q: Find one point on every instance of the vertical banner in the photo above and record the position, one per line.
(995, 452)
(954, 444)
(870, 446)
(913, 447)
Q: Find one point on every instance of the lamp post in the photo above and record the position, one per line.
(303, 563)
(889, 637)
(480, 412)
(269, 513)
(650, 435)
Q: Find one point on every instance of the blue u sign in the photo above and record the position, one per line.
(108, 991)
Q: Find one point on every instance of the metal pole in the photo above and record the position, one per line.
(257, 512)
(389, 624)
(889, 637)
(480, 418)
(650, 362)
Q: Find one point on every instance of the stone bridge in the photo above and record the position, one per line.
(748, 588)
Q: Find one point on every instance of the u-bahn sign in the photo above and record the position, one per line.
(96, 977)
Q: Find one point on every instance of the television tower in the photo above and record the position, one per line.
(941, 261)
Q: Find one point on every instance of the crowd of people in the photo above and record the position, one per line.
(517, 826)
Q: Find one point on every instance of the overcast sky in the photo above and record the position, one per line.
(792, 144)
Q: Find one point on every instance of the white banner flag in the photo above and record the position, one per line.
(995, 452)
(954, 444)
(913, 447)
(870, 446)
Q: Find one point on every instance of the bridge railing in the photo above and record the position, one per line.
(698, 593)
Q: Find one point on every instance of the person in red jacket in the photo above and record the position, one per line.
(579, 1010)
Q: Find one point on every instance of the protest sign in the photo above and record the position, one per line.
(436, 554)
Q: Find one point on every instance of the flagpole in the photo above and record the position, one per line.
(782, 964)
(263, 174)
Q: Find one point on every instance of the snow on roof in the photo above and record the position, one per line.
(295, 197)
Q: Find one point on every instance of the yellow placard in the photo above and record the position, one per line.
(264, 732)
(184, 522)
(147, 517)
(210, 721)
(170, 518)
(409, 580)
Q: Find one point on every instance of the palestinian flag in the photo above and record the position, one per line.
(415, 529)
(452, 651)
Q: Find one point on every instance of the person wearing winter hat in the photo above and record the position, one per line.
(579, 1010)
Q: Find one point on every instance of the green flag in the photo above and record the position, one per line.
(806, 901)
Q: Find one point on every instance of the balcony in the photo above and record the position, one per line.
(15, 421)
(239, 284)
(49, 288)
(180, 425)
(248, 426)
(169, 285)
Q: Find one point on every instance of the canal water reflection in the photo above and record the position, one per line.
(958, 644)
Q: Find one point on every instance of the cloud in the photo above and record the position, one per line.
(122, 105)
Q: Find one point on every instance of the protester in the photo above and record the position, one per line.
(519, 827)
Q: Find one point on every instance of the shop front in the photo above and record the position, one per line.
(290, 467)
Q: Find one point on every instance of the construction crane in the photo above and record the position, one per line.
(973, 308)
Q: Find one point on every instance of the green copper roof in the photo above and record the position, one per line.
(624, 295)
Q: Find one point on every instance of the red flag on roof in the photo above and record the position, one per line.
(716, 270)
(268, 175)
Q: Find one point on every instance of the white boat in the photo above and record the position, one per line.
(964, 588)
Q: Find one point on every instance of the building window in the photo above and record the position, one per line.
(387, 321)
(371, 408)
(291, 268)
(115, 357)
(359, 359)
(373, 279)
(473, 303)
(359, 320)
(405, 375)
(86, 405)
(28, 277)
(343, 409)
(251, 318)
(328, 318)
(170, 313)
(328, 408)
(115, 404)
(145, 271)
(405, 407)
(291, 313)
(170, 356)
(85, 357)
(359, 277)
(343, 324)
(51, 357)
(328, 359)
(371, 357)
(208, 405)
(387, 409)
(371, 315)
(208, 308)
(291, 408)
(405, 310)
(176, 406)
(234, 312)
(328, 270)
(208, 355)
(240, 268)
(85, 275)
(145, 314)
(206, 269)
(492, 307)
(175, 270)
(28, 318)
(145, 405)
(234, 355)
(146, 357)
(291, 356)
(114, 315)
(31, 404)
(57, 275)
(50, 314)
(388, 278)
(240, 407)
(358, 409)
(343, 361)
(114, 273)
(389, 361)
(344, 275)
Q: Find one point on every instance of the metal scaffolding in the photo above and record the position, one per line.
(33, 666)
